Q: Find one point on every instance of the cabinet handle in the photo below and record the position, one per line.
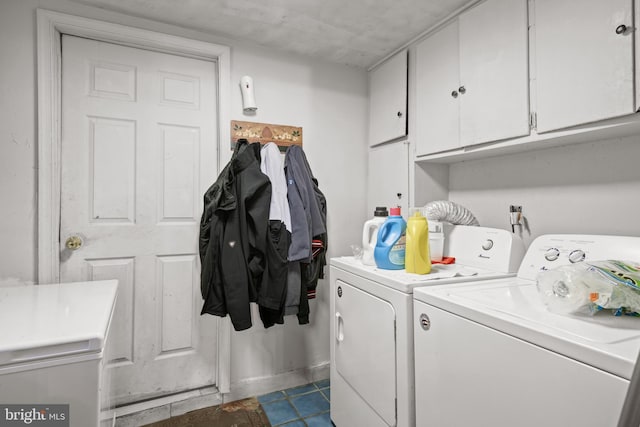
(462, 90)
(621, 29)
(399, 113)
(454, 94)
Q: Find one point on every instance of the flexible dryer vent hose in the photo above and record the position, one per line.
(446, 211)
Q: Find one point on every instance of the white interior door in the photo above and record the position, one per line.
(138, 151)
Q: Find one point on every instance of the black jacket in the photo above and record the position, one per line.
(233, 237)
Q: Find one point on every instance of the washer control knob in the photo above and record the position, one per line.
(576, 256)
(552, 254)
(487, 245)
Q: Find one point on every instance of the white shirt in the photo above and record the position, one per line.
(271, 165)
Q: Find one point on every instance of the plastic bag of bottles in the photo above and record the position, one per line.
(592, 287)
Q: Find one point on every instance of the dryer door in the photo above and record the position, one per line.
(365, 348)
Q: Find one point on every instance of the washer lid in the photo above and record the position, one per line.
(45, 321)
(514, 307)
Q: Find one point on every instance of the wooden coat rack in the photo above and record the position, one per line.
(282, 135)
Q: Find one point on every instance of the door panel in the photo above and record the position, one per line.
(178, 194)
(365, 345)
(112, 189)
(437, 99)
(388, 100)
(584, 70)
(138, 151)
(388, 177)
(494, 70)
(177, 329)
(121, 333)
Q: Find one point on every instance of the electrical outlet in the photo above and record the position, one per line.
(515, 216)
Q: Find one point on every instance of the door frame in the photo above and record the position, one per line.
(50, 27)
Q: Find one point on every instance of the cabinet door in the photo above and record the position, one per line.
(388, 100)
(388, 181)
(584, 69)
(494, 78)
(437, 81)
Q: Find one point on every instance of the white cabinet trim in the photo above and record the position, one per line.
(598, 131)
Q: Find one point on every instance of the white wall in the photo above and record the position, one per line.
(17, 142)
(328, 101)
(589, 188)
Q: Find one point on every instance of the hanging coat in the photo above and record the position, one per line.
(309, 232)
(273, 290)
(233, 237)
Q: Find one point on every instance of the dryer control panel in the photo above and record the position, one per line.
(483, 247)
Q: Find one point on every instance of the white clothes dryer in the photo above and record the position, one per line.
(491, 354)
(372, 374)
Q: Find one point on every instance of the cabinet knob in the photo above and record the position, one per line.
(621, 29)
(454, 94)
(399, 113)
(462, 90)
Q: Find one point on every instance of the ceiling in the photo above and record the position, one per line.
(354, 32)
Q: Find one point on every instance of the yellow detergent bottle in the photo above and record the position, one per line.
(417, 259)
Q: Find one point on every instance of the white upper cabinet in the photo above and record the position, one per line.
(388, 100)
(388, 180)
(472, 80)
(494, 72)
(583, 61)
(437, 81)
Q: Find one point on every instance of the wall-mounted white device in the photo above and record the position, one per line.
(248, 96)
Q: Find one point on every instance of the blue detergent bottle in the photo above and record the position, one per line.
(390, 246)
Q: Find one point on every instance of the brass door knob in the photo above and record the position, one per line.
(73, 243)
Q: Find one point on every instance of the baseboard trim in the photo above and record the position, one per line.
(263, 385)
(161, 408)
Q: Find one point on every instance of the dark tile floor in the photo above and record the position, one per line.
(303, 406)
(240, 413)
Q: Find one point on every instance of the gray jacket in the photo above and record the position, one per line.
(306, 216)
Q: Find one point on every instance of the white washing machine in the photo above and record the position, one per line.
(490, 353)
(372, 381)
(52, 344)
